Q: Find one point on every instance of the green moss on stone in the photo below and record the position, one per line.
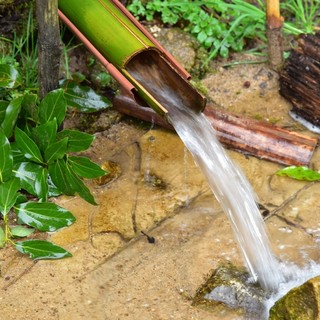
(298, 304)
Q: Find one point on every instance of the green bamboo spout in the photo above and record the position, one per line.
(125, 47)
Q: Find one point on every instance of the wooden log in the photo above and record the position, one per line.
(252, 137)
(299, 81)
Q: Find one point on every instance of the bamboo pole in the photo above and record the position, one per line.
(121, 43)
(49, 45)
(274, 34)
(252, 137)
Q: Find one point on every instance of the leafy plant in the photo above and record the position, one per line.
(35, 162)
(303, 16)
(221, 26)
(299, 173)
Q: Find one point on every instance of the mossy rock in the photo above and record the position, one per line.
(301, 303)
(230, 287)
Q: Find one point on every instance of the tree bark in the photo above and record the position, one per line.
(274, 34)
(49, 46)
(249, 136)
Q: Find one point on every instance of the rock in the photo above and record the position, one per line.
(113, 172)
(231, 287)
(299, 303)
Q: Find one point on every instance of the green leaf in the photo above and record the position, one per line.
(67, 181)
(78, 185)
(17, 154)
(84, 98)
(27, 146)
(41, 185)
(11, 116)
(8, 195)
(53, 191)
(78, 141)
(3, 108)
(56, 150)
(104, 79)
(9, 76)
(29, 106)
(78, 77)
(202, 36)
(21, 231)
(44, 216)
(85, 168)
(6, 159)
(299, 173)
(29, 174)
(45, 134)
(2, 238)
(21, 198)
(40, 249)
(53, 106)
(58, 174)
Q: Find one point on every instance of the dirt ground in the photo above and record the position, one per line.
(115, 273)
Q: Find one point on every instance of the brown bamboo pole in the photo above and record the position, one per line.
(252, 137)
(49, 45)
(274, 34)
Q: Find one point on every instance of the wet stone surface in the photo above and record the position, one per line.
(233, 288)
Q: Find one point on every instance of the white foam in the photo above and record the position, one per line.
(310, 126)
(294, 277)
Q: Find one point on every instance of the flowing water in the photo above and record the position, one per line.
(227, 182)
(233, 192)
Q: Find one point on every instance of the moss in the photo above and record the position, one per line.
(299, 304)
(200, 87)
(273, 120)
(232, 290)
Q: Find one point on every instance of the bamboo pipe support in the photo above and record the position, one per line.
(252, 137)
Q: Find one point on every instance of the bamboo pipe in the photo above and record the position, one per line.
(252, 137)
(274, 19)
(122, 45)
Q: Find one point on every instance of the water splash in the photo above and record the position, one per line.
(294, 276)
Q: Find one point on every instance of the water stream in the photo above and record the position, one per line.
(227, 182)
(233, 192)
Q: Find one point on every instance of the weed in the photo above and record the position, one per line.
(24, 53)
(303, 16)
(221, 26)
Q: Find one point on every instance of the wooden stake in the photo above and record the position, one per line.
(274, 34)
(49, 46)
